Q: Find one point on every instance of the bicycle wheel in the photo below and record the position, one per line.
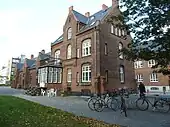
(99, 105)
(142, 104)
(91, 103)
(108, 102)
(162, 106)
(114, 104)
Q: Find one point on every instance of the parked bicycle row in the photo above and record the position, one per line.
(117, 100)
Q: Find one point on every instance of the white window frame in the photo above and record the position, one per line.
(69, 33)
(153, 77)
(138, 64)
(55, 74)
(123, 32)
(112, 29)
(57, 56)
(121, 73)
(59, 76)
(86, 73)
(78, 53)
(116, 31)
(86, 47)
(105, 49)
(120, 48)
(50, 75)
(69, 52)
(39, 75)
(151, 63)
(119, 32)
(69, 75)
(139, 77)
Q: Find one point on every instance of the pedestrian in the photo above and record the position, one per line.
(142, 89)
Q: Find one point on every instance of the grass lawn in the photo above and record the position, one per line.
(16, 112)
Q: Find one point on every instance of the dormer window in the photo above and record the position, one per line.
(92, 18)
(92, 23)
(69, 33)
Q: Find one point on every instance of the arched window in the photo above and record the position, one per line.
(122, 73)
(69, 33)
(57, 56)
(69, 52)
(120, 48)
(86, 47)
(86, 73)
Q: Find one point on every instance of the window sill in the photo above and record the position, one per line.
(86, 56)
(153, 81)
(68, 83)
(85, 84)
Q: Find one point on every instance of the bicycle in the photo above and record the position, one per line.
(103, 102)
(93, 99)
(157, 104)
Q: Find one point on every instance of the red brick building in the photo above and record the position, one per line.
(87, 49)
(25, 74)
(154, 81)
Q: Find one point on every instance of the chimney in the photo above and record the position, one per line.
(43, 51)
(104, 7)
(32, 56)
(70, 8)
(114, 3)
(87, 14)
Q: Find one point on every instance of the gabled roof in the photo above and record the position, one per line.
(80, 17)
(89, 22)
(19, 66)
(44, 56)
(60, 39)
(30, 62)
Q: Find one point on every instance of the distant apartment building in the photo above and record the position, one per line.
(153, 81)
(3, 75)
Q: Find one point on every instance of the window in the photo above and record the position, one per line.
(69, 33)
(120, 52)
(42, 75)
(122, 75)
(57, 56)
(151, 63)
(123, 33)
(106, 75)
(69, 75)
(112, 29)
(86, 73)
(154, 88)
(50, 75)
(69, 52)
(116, 31)
(78, 77)
(86, 47)
(105, 49)
(138, 64)
(139, 78)
(153, 77)
(78, 53)
(120, 32)
(57, 75)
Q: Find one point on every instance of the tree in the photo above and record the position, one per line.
(148, 21)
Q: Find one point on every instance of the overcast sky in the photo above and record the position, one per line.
(28, 26)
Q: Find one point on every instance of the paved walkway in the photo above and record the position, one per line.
(79, 107)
